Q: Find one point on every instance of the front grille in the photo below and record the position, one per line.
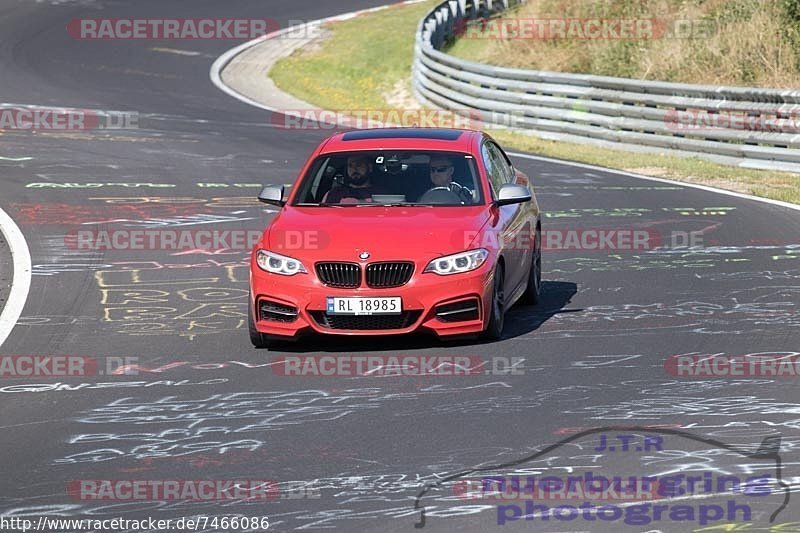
(458, 311)
(373, 322)
(384, 275)
(277, 312)
(342, 275)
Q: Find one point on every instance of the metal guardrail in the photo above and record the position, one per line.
(752, 127)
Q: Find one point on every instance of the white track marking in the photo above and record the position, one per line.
(21, 284)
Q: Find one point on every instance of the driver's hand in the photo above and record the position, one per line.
(464, 192)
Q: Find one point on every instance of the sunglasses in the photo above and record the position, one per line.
(441, 169)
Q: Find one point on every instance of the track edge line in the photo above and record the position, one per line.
(21, 281)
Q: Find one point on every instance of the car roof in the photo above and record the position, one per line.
(450, 140)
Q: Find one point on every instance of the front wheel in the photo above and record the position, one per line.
(494, 329)
(533, 292)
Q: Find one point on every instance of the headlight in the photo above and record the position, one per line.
(457, 263)
(279, 264)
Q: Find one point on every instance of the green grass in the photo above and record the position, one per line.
(365, 58)
(719, 42)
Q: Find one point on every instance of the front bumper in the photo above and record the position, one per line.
(447, 306)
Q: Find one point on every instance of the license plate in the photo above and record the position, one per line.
(364, 306)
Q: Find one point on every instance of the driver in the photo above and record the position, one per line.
(358, 186)
(442, 170)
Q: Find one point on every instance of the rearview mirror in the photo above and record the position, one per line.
(511, 193)
(272, 194)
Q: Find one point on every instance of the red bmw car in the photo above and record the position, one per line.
(396, 230)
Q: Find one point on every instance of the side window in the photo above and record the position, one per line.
(317, 181)
(490, 162)
(502, 163)
(315, 184)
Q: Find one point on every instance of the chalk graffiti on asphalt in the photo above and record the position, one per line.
(139, 300)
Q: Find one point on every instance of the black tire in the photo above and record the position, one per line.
(494, 329)
(259, 340)
(533, 292)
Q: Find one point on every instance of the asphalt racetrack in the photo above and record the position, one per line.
(353, 453)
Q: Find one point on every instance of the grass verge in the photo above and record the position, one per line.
(716, 42)
(357, 63)
(365, 62)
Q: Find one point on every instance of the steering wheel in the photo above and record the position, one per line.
(440, 195)
(460, 190)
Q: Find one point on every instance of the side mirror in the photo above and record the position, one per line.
(511, 193)
(272, 194)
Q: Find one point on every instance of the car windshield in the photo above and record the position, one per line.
(391, 178)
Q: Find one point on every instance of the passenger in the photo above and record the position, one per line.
(358, 184)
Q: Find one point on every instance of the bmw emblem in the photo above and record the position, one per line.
(363, 256)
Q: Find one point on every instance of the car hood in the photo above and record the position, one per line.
(386, 233)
